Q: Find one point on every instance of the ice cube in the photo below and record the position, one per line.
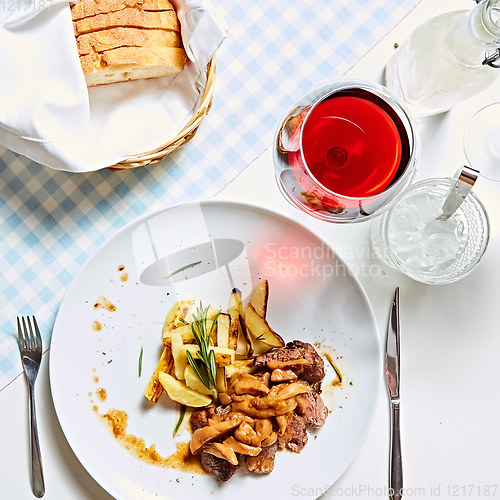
(428, 206)
(441, 227)
(414, 262)
(405, 243)
(438, 251)
(404, 217)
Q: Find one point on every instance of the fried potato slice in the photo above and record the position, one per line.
(259, 328)
(260, 298)
(193, 382)
(180, 392)
(154, 388)
(179, 310)
(185, 331)
(223, 322)
(239, 366)
(223, 357)
(235, 310)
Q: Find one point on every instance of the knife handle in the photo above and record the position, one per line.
(395, 461)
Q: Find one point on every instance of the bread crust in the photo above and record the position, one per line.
(112, 38)
(122, 40)
(128, 17)
(88, 8)
(131, 63)
(171, 57)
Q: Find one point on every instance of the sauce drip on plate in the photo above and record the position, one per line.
(96, 326)
(101, 394)
(182, 459)
(104, 303)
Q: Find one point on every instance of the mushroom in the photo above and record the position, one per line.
(244, 383)
(283, 421)
(224, 398)
(220, 450)
(270, 440)
(278, 394)
(264, 427)
(211, 432)
(250, 407)
(283, 375)
(293, 389)
(245, 434)
(241, 448)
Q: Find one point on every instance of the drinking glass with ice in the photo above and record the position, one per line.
(410, 238)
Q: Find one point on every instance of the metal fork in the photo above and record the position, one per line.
(30, 346)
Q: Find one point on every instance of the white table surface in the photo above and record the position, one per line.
(450, 403)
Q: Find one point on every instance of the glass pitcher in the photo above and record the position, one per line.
(447, 59)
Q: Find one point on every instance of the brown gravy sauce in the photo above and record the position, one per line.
(96, 326)
(101, 394)
(121, 268)
(124, 277)
(104, 303)
(96, 379)
(117, 421)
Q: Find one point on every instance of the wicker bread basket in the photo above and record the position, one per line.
(183, 136)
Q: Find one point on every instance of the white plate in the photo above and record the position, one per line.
(312, 298)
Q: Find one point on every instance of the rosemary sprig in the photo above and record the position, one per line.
(181, 418)
(204, 367)
(330, 360)
(140, 361)
(183, 269)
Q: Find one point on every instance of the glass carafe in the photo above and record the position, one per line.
(447, 59)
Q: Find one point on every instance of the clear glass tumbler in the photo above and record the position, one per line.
(409, 238)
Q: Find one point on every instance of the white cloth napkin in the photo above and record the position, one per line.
(48, 114)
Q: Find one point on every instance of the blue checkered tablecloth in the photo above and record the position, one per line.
(51, 222)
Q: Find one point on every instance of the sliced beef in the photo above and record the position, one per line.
(278, 354)
(223, 411)
(220, 468)
(313, 374)
(263, 463)
(200, 418)
(295, 436)
(310, 405)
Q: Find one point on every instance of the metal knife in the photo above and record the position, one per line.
(392, 375)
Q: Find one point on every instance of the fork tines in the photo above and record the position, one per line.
(25, 337)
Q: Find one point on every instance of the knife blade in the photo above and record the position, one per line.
(392, 376)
